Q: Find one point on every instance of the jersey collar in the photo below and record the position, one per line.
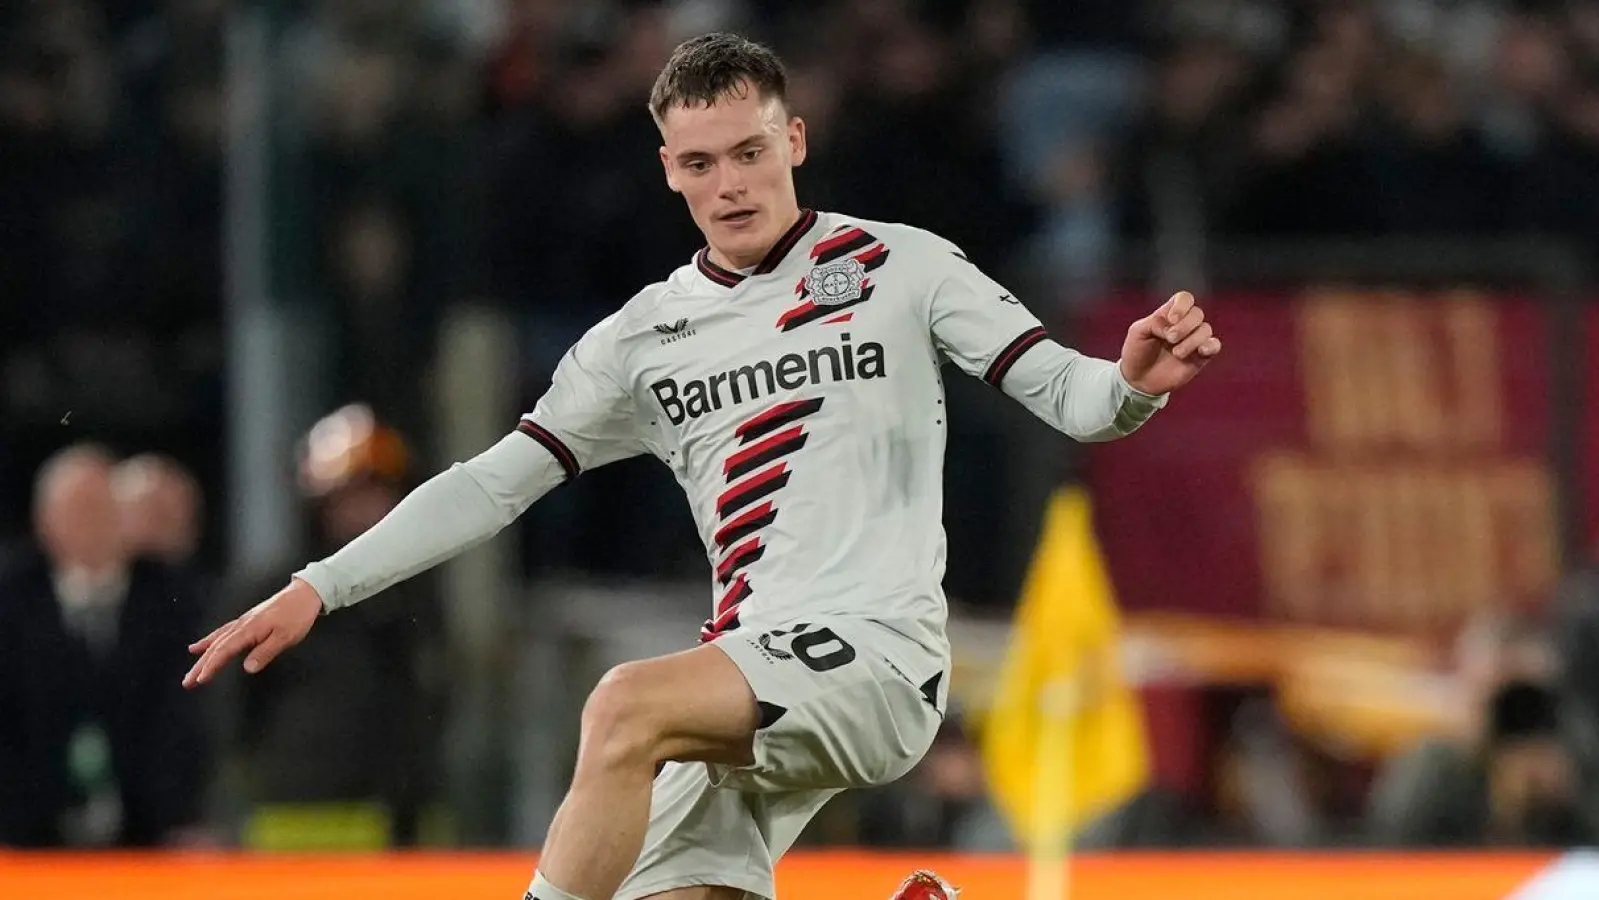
(774, 257)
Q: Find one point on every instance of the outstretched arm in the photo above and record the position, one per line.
(452, 512)
(987, 332)
(585, 420)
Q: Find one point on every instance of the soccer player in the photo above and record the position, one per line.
(790, 379)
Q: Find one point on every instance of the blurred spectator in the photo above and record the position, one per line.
(379, 114)
(1062, 108)
(1276, 788)
(361, 696)
(1180, 163)
(99, 743)
(1576, 626)
(1530, 67)
(1512, 780)
(908, 107)
(1433, 170)
(1494, 648)
(159, 509)
(1517, 786)
(1078, 85)
(1307, 174)
(524, 61)
(384, 328)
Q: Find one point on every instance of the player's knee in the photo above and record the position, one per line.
(618, 725)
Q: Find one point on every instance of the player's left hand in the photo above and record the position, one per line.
(1167, 348)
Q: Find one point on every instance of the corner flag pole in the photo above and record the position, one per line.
(1049, 853)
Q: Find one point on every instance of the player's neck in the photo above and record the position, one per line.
(738, 263)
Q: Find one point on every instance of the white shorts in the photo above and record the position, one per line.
(845, 703)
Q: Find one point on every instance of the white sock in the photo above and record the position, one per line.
(543, 890)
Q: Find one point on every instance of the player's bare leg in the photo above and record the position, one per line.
(693, 706)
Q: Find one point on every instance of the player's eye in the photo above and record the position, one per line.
(698, 166)
(750, 155)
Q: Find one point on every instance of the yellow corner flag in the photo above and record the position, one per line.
(1064, 739)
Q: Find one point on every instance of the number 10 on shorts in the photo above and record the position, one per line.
(820, 649)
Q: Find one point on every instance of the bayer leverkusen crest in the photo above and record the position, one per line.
(836, 282)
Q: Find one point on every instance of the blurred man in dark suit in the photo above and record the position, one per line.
(99, 743)
(160, 508)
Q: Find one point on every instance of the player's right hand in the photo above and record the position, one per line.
(269, 628)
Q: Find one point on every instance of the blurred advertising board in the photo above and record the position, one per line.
(843, 874)
(1366, 459)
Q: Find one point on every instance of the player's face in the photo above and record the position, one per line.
(733, 161)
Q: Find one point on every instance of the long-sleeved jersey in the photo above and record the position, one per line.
(800, 404)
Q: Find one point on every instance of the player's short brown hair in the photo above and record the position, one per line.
(707, 67)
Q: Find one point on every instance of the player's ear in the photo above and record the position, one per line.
(796, 140)
(671, 174)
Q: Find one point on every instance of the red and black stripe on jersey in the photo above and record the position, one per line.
(558, 449)
(808, 311)
(773, 418)
(746, 492)
(722, 624)
(754, 472)
(734, 595)
(739, 557)
(759, 454)
(745, 524)
(726, 618)
(847, 240)
(1006, 358)
(773, 258)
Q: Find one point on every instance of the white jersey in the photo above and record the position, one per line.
(801, 407)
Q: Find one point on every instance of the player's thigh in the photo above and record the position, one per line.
(693, 705)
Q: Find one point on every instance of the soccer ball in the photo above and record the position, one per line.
(924, 885)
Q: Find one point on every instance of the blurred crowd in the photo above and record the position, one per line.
(444, 151)
(101, 744)
(498, 151)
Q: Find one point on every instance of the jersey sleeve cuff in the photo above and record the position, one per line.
(557, 447)
(320, 579)
(1137, 406)
(1005, 359)
(1135, 392)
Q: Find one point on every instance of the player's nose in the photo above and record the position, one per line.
(732, 185)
